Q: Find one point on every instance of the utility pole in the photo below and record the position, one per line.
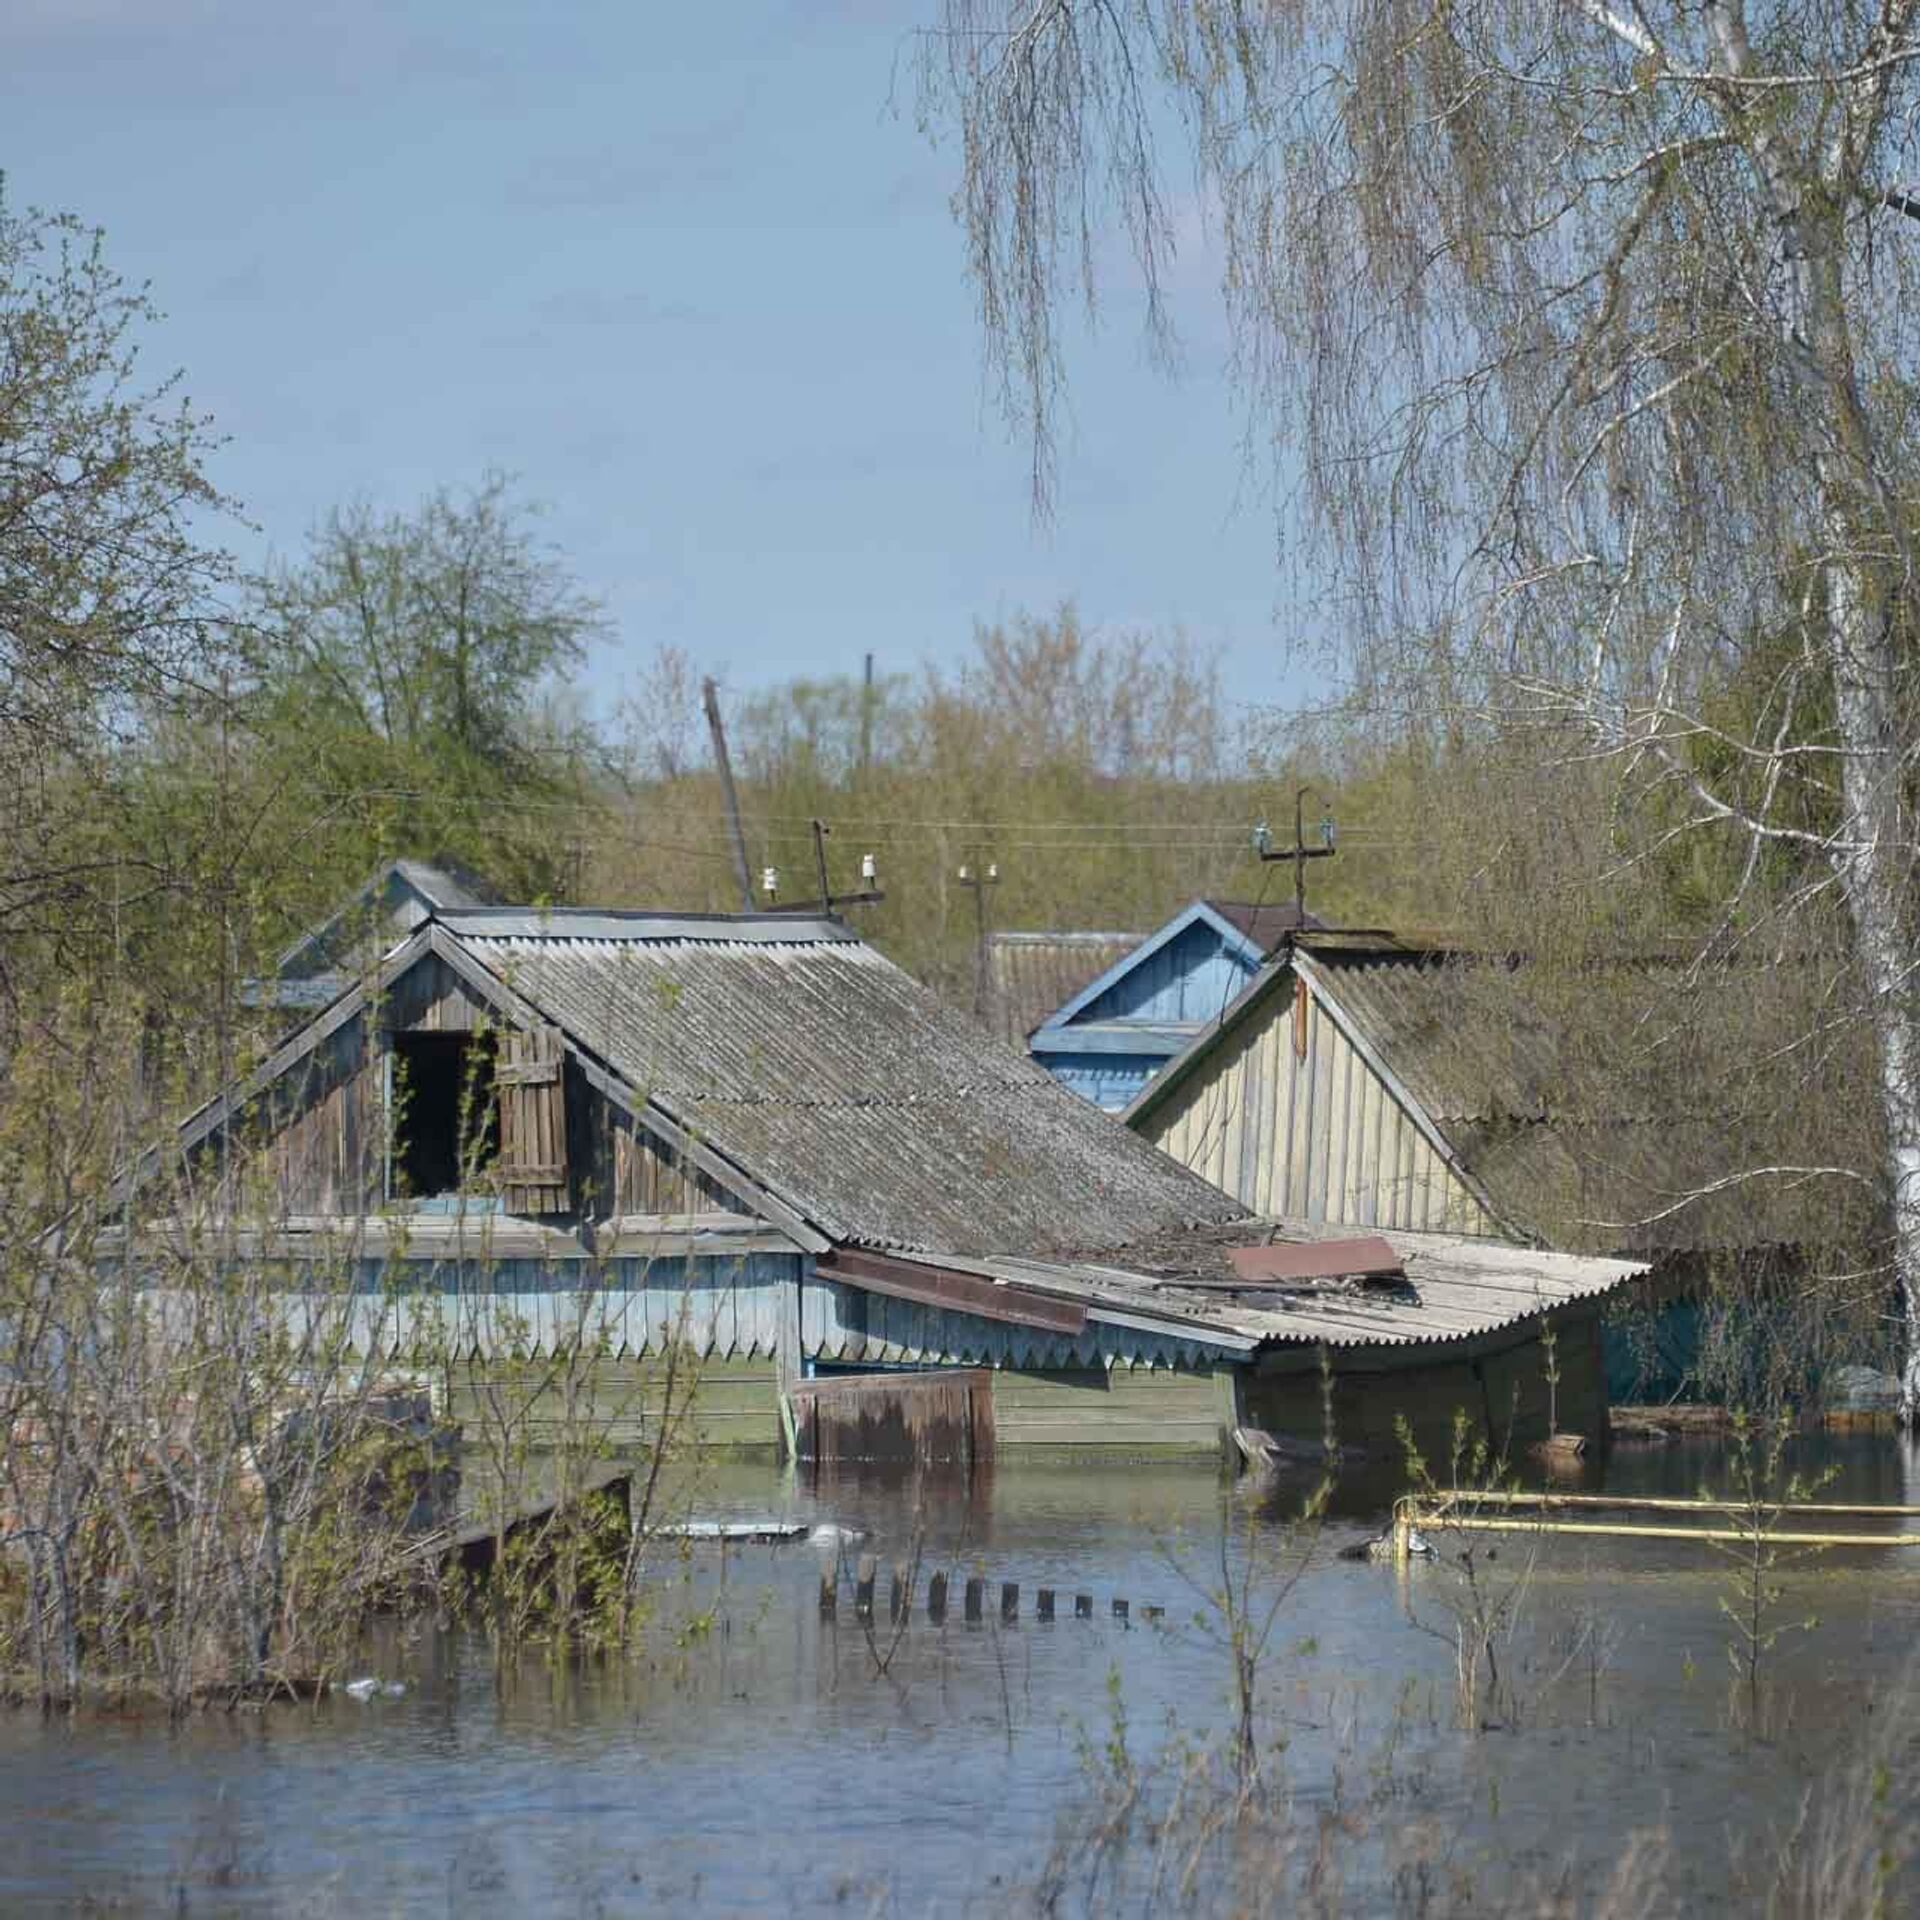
(868, 896)
(979, 882)
(710, 698)
(1299, 853)
(866, 718)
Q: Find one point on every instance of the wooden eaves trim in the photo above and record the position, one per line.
(928, 1284)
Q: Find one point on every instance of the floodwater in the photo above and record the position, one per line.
(761, 1759)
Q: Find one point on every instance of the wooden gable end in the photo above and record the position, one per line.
(627, 1169)
(317, 1125)
(1286, 1114)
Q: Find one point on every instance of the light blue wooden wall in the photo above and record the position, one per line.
(1109, 1080)
(725, 1307)
(1191, 978)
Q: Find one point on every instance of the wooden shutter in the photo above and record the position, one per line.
(532, 1081)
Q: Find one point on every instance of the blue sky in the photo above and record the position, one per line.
(688, 272)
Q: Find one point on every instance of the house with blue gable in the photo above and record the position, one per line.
(1113, 1036)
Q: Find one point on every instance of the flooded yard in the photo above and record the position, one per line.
(758, 1757)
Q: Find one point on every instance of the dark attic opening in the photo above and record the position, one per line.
(449, 1130)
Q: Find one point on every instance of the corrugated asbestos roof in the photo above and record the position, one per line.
(1620, 1105)
(1457, 1289)
(843, 1086)
(1030, 974)
(1409, 1006)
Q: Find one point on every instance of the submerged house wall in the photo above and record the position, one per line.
(699, 1166)
(1500, 1384)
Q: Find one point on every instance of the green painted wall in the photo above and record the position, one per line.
(1142, 1409)
(1503, 1389)
(726, 1405)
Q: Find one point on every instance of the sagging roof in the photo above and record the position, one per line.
(1029, 974)
(1454, 1289)
(838, 1083)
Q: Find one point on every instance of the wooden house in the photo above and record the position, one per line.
(1108, 1039)
(753, 1140)
(1359, 1081)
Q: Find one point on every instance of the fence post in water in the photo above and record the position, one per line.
(864, 1576)
(1083, 1606)
(976, 1597)
(1010, 1600)
(937, 1597)
(1043, 1604)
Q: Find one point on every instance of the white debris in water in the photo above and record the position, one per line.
(368, 1687)
(830, 1533)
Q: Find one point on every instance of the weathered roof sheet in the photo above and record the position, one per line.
(1456, 1288)
(1030, 974)
(839, 1083)
(1409, 1005)
(1622, 1105)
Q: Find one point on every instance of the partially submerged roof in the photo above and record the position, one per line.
(858, 1113)
(1029, 974)
(1450, 1289)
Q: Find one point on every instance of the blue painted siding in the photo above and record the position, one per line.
(847, 1326)
(739, 1306)
(1191, 978)
(1148, 1008)
(1109, 1080)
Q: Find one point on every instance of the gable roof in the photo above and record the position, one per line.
(1030, 974)
(394, 900)
(1534, 1093)
(802, 1067)
(1200, 913)
(1266, 923)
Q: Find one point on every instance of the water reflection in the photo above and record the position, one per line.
(756, 1757)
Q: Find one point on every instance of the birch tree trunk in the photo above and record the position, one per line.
(1865, 543)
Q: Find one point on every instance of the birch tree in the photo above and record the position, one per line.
(1585, 334)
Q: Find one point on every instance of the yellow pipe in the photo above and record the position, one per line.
(1748, 1536)
(1650, 1504)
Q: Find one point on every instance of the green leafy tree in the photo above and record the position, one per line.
(411, 670)
(109, 593)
